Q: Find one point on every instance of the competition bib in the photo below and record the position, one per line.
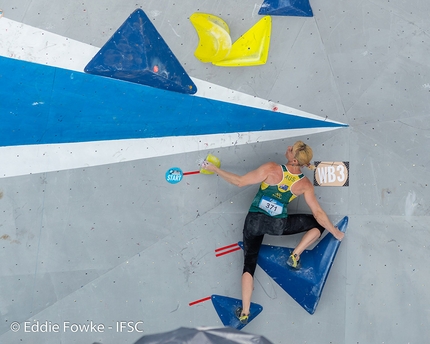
(270, 205)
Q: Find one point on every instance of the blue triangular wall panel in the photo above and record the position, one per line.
(300, 8)
(306, 284)
(43, 105)
(226, 307)
(137, 53)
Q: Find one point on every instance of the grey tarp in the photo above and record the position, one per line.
(185, 335)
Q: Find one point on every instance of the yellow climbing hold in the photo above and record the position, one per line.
(252, 48)
(214, 37)
(212, 159)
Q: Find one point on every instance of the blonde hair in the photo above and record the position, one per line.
(303, 154)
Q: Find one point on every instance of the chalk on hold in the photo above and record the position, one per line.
(252, 48)
(213, 160)
(214, 37)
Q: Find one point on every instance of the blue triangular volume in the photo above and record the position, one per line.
(226, 307)
(300, 8)
(137, 53)
(306, 284)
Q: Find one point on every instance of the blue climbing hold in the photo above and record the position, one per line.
(306, 284)
(300, 8)
(137, 53)
(226, 307)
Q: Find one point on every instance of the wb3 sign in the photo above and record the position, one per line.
(331, 173)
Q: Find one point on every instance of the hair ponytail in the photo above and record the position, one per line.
(310, 166)
(303, 154)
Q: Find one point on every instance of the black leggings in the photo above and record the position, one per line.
(258, 224)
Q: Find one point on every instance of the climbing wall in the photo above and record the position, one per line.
(97, 246)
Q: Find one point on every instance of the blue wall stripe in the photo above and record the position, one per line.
(43, 104)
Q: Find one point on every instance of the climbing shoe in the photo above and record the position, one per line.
(243, 318)
(294, 261)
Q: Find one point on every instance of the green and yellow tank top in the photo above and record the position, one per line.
(273, 199)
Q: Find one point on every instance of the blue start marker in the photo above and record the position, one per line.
(174, 175)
